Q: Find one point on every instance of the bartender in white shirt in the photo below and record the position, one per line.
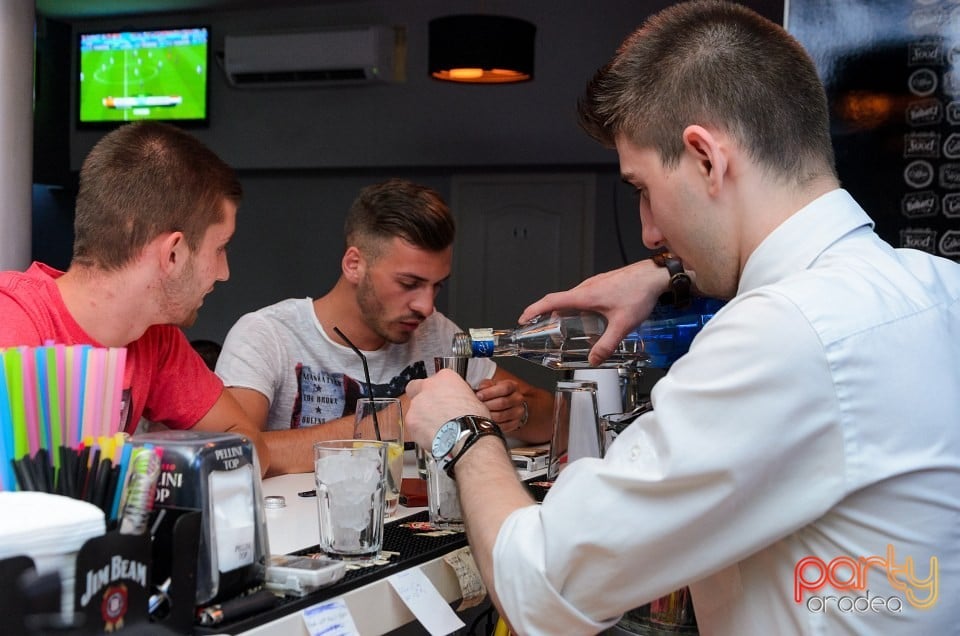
(800, 470)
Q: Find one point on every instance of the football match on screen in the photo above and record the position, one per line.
(143, 75)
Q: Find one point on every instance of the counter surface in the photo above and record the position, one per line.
(296, 527)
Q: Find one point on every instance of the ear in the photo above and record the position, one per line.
(709, 153)
(353, 264)
(172, 251)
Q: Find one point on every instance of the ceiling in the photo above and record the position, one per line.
(82, 9)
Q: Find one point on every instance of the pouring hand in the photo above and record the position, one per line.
(625, 297)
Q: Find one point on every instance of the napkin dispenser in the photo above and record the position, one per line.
(218, 475)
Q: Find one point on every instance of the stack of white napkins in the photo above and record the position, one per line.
(50, 529)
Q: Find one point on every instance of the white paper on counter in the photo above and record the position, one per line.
(330, 618)
(472, 589)
(425, 602)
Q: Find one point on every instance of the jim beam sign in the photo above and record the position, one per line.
(113, 581)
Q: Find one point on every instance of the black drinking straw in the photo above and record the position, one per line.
(366, 373)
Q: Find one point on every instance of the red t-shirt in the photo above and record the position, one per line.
(164, 379)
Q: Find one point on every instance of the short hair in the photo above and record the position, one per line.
(719, 64)
(399, 208)
(142, 180)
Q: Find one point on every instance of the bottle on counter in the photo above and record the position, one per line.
(562, 340)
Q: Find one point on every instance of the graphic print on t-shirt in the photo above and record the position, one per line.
(323, 396)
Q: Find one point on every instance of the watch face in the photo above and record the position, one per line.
(445, 439)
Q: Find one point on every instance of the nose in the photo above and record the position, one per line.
(223, 270)
(422, 302)
(649, 232)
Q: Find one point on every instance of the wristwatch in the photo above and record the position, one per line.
(455, 436)
(680, 283)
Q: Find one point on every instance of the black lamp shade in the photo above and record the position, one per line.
(485, 49)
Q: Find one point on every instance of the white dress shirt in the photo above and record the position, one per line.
(816, 415)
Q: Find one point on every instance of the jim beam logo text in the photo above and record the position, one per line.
(119, 569)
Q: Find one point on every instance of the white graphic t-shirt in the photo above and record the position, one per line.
(283, 352)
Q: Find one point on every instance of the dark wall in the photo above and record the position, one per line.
(51, 130)
(303, 153)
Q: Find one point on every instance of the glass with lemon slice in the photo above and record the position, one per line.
(382, 418)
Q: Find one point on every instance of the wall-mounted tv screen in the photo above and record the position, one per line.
(132, 75)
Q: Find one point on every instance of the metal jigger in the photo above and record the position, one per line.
(457, 363)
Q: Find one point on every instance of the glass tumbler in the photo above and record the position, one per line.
(350, 476)
(382, 419)
(577, 429)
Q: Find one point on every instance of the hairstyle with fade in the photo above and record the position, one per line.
(398, 208)
(715, 64)
(140, 181)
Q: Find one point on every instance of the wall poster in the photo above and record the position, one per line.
(892, 73)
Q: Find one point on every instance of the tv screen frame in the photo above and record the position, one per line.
(156, 73)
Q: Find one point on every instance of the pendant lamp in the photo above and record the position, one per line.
(481, 49)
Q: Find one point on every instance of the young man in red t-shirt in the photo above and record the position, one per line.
(154, 213)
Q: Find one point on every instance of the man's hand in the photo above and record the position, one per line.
(505, 403)
(625, 297)
(435, 400)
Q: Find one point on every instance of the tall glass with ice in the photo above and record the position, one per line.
(442, 498)
(351, 481)
(382, 419)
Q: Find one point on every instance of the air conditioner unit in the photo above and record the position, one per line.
(336, 56)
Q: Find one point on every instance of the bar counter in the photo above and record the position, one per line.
(376, 607)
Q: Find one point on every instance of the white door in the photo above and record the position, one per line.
(518, 237)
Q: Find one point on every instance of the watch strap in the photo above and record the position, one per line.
(680, 284)
(482, 427)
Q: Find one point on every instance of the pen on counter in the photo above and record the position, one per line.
(307, 493)
(237, 608)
